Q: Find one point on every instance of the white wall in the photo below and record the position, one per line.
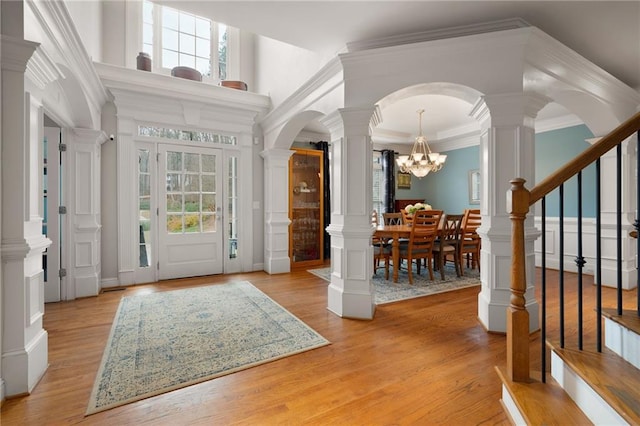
(113, 32)
(247, 62)
(108, 199)
(87, 17)
(282, 68)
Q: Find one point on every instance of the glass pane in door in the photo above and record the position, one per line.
(191, 193)
(144, 208)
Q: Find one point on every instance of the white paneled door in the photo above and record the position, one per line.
(190, 237)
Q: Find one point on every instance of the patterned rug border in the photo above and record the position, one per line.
(469, 281)
(92, 409)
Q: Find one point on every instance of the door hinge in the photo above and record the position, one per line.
(158, 265)
(157, 211)
(62, 210)
(62, 273)
(157, 157)
(62, 147)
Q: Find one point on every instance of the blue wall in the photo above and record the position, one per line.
(448, 189)
(417, 189)
(553, 150)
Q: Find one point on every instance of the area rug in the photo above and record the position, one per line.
(168, 340)
(388, 291)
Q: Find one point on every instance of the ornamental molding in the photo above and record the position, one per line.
(451, 32)
(135, 88)
(349, 232)
(65, 43)
(20, 249)
(42, 70)
(153, 110)
(334, 123)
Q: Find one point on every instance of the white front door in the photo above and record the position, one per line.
(190, 237)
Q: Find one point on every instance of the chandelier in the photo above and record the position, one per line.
(422, 160)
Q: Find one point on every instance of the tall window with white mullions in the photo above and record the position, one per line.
(177, 38)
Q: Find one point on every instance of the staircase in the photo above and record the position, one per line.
(586, 384)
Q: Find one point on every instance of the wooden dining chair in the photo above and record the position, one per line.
(407, 218)
(381, 249)
(424, 231)
(448, 243)
(470, 242)
(395, 219)
(392, 218)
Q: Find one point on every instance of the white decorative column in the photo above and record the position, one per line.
(351, 292)
(276, 210)
(24, 341)
(83, 213)
(126, 195)
(507, 150)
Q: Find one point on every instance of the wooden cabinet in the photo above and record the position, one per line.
(306, 232)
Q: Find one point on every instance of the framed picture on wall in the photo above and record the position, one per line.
(474, 186)
(404, 180)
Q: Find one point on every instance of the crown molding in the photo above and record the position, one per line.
(309, 136)
(556, 123)
(456, 142)
(457, 131)
(381, 136)
(430, 35)
(465, 136)
(549, 56)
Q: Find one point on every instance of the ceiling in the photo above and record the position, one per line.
(605, 32)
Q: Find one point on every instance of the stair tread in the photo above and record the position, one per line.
(614, 379)
(628, 319)
(543, 403)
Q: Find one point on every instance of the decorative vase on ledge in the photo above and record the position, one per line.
(143, 61)
(240, 85)
(187, 73)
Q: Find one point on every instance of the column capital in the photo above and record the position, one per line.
(16, 53)
(276, 154)
(359, 120)
(89, 136)
(509, 108)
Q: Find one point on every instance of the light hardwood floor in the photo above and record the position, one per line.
(425, 361)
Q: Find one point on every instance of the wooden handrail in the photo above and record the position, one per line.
(587, 157)
(519, 201)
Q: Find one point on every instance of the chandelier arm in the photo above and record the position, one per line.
(419, 162)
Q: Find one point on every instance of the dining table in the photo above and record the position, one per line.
(395, 233)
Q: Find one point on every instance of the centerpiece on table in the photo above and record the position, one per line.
(411, 209)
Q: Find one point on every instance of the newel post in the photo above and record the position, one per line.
(517, 315)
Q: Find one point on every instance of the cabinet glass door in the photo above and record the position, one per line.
(306, 207)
